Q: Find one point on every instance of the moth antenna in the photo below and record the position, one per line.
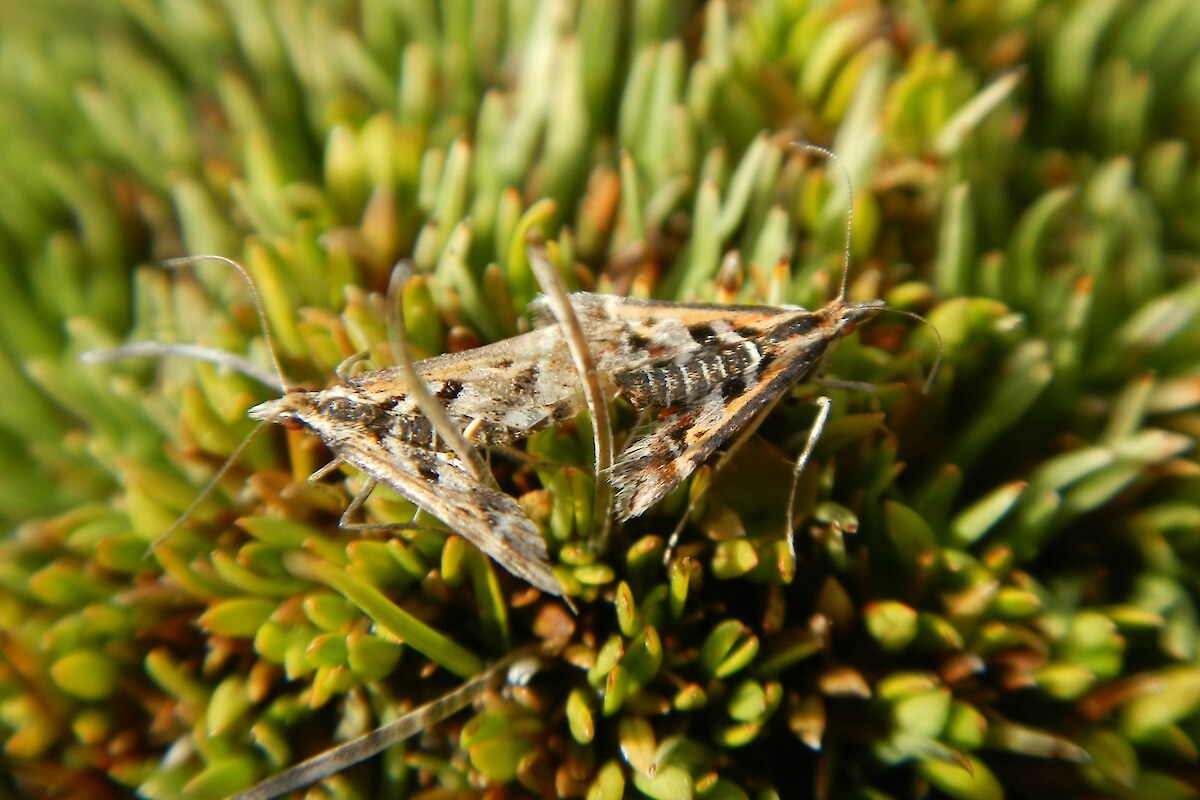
(281, 385)
(220, 358)
(259, 309)
(433, 410)
(825, 151)
(937, 361)
(209, 487)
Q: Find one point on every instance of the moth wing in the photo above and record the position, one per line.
(628, 333)
(439, 483)
(635, 311)
(514, 386)
(656, 463)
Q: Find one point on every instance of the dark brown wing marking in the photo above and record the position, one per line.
(439, 483)
(653, 465)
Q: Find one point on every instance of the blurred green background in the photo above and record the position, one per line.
(995, 594)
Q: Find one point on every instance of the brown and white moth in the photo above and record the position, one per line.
(375, 422)
(495, 394)
(710, 369)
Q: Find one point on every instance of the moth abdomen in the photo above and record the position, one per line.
(685, 381)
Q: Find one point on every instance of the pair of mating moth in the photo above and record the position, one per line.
(706, 369)
(709, 369)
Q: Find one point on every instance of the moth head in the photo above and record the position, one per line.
(289, 410)
(854, 313)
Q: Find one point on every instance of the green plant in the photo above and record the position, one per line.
(997, 582)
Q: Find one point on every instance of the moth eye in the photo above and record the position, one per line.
(345, 409)
(339, 408)
(292, 423)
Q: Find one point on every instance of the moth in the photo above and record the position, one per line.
(379, 423)
(494, 394)
(714, 367)
(710, 368)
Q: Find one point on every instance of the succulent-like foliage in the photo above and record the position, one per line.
(996, 584)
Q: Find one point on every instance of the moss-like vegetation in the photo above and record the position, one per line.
(996, 583)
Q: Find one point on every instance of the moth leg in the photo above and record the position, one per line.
(324, 471)
(357, 503)
(814, 433)
(853, 386)
(673, 541)
(734, 445)
(343, 370)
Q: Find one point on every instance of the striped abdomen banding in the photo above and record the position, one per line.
(681, 382)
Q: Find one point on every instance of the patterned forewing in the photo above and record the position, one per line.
(393, 449)
(627, 333)
(505, 391)
(656, 463)
(439, 483)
